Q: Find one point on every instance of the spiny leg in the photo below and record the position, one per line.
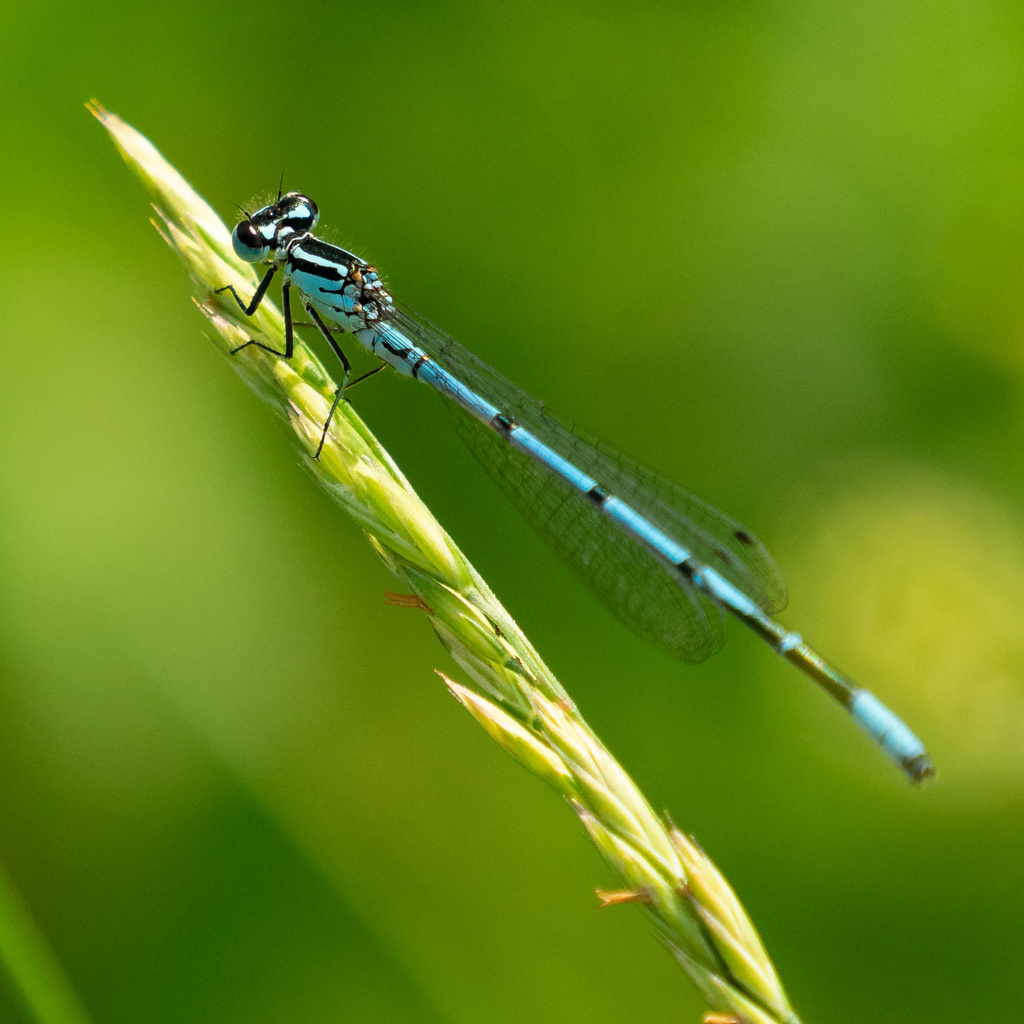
(289, 334)
(261, 290)
(369, 373)
(346, 365)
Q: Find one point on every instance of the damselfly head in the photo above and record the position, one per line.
(257, 238)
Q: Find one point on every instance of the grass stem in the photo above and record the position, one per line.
(513, 695)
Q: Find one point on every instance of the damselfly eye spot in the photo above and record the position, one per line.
(299, 211)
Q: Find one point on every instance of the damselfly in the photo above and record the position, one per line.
(665, 562)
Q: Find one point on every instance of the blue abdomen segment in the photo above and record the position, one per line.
(525, 441)
(734, 599)
(890, 733)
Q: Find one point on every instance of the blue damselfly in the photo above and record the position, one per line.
(664, 561)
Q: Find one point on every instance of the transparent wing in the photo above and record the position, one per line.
(648, 597)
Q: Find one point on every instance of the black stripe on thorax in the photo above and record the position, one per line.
(325, 273)
(308, 245)
(325, 251)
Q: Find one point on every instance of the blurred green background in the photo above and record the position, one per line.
(787, 239)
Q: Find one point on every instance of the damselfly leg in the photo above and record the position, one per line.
(289, 340)
(248, 310)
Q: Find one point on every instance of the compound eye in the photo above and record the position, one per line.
(248, 243)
